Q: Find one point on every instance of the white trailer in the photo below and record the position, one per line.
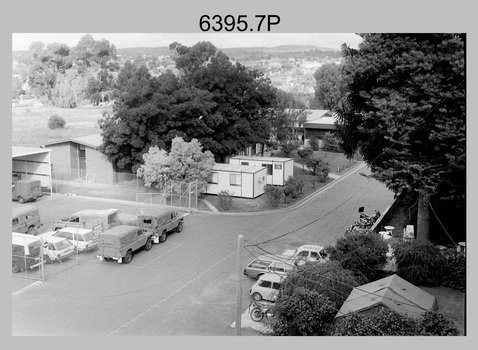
(278, 169)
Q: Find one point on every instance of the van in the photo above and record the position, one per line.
(121, 241)
(264, 264)
(84, 239)
(266, 287)
(57, 248)
(26, 219)
(26, 190)
(89, 217)
(26, 250)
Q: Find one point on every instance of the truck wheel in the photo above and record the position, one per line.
(107, 259)
(21, 200)
(129, 256)
(149, 244)
(15, 268)
(180, 227)
(163, 237)
(31, 230)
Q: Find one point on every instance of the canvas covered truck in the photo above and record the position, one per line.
(89, 218)
(120, 242)
(160, 225)
(26, 190)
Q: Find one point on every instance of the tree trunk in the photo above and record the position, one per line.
(423, 219)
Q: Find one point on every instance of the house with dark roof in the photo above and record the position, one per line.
(80, 158)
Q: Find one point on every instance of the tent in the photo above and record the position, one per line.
(392, 292)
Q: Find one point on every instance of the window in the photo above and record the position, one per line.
(268, 167)
(275, 285)
(265, 284)
(303, 253)
(278, 166)
(81, 151)
(15, 221)
(244, 163)
(260, 264)
(212, 178)
(235, 179)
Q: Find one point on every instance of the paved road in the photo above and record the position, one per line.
(186, 286)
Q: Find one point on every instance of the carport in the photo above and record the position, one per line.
(32, 163)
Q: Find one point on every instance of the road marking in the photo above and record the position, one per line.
(18, 292)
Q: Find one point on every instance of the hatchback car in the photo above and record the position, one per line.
(264, 264)
(266, 287)
(57, 248)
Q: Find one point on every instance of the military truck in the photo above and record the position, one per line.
(89, 218)
(26, 190)
(121, 241)
(160, 225)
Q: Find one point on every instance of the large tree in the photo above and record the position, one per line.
(329, 86)
(404, 111)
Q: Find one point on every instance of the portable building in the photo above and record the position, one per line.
(240, 180)
(278, 169)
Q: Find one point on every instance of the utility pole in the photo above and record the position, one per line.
(239, 286)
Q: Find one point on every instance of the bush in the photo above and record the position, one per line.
(420, 262)
(273, 194)
(329, 279)
(292, 188)
(386, 322)
(314, 143)
(225, 200)
(318, 167)
(455, 275)
(304, 313)
(289, 146)
(331, 143)
(363, 253)
(305, 153)
(56, 122)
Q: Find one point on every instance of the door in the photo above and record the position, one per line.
(82, 160)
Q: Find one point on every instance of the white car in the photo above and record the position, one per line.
(266, 287)
(83, 239)
(56, 248)
(307, 252)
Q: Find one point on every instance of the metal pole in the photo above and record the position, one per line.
(239, 286)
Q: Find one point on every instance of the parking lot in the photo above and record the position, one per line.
(185, 286)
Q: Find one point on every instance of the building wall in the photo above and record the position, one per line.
(251, 184)
(98, 164)
(61, 161)
(281, 168)
(34, 167)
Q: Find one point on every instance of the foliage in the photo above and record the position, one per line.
(420, 262)
(185, 162)
(318, 167)
(329, 279)
(455, 275)
(305, 153)
(314, 143)
(70, 89)
(225, 199)
(404, 111)
(329, 85)
(303, 313)
(273, 194)
(292, 188)
(331, 143)
(56, 122)
(386, 322)
(362, 253)
(288, 147)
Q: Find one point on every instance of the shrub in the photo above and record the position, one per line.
(331, 143)
(304, 313)
(386, 322)
(317, 166)
(314, 143)
(420, 262)
(363, 253)
(56, 122)
(305, 153)
(329, 279)
(292, 187)
(225, 200)
(273, 194)
(289, 146)
(455, 275)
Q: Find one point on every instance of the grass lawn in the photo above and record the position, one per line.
(30, 124)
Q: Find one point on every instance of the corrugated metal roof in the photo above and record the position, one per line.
(20, 151)
(260, 159)
(250, 169)
(94, 141)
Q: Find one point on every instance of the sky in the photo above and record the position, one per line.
(21, 41)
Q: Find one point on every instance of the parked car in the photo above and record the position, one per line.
(264, 264)
(84, 239)
(121, 241)
(57, 248)
(88, 218)
(160, 225)
(26, 251)
(26, 190)
(266, 287)
(307, 252)
(26, 219)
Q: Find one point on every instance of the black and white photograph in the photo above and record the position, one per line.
(239, 180)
